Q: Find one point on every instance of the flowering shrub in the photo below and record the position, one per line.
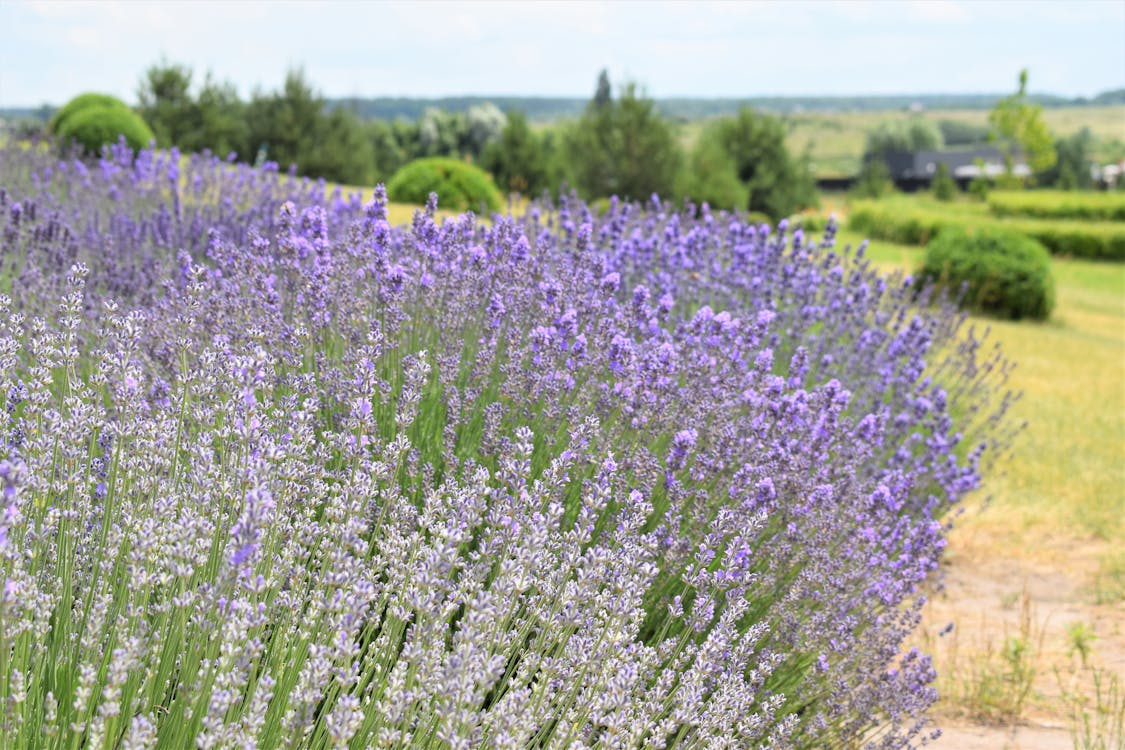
(279, 474)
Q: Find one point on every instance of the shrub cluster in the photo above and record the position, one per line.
(914, 224)
(991, 271)
(279, 474)
(458, 185)
(1059, 204)
(95, 120)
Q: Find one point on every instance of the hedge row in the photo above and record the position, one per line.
(1059, 204)
(916, 225)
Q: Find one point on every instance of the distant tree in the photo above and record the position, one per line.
(220, 121)
(1018, 121)
(625, 148)
(958, 133)
(483, 125)
(776, 184)
(440, 133)
(915, 134)
(874, 180)
(1071, 171)
(338, 150)
(711, 176)
(943, 187)
(603, 94)
(516, 159)
(389, 154)
(165, 102)
(285, 121)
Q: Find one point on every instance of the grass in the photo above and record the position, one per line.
(1057, 504)
(1066, 472)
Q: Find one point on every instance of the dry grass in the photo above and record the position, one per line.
(1051, 537)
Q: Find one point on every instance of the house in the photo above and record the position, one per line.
(915, 170)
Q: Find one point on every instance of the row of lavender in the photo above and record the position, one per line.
(279, 474)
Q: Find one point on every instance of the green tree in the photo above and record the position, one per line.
(1071, 170)
(775, 183)
(165, 102)
(222, 121)
(622, 148)
(711, 177)
(914, 134)
(516, 158)
(874, 180)
(943, 187)
(1016, 120)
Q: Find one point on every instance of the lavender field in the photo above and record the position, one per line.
(280, 474)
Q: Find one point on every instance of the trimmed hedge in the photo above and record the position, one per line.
(459, 186)
(1059, 204)
(913, 224)
(991, 271)
(82, 102)
(98, 125)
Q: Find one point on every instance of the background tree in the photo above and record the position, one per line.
(1071, 170)
(516, 159)
(166, 104)
(1018, 121)
(622, 148)
(776, 184)
(890, 136)
(944, 188)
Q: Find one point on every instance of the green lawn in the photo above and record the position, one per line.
(1063, 486)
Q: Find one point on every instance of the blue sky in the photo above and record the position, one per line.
(53, 49)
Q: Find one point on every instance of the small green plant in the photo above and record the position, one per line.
(1097, 722)
(991, 271)
(459, 186)
(1109, 583)
(99, 125)
(1081, 637)
(1001, 682)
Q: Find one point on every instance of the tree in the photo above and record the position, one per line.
(1018, 121)
(286, 121)
(603, 94)
(1071, 171)
(623, 148)
(165, 102)
(516, 158)
(890, 136)
(776, 184)
(483, 125)
(943, 187)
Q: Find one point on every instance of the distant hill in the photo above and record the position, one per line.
(545, 109)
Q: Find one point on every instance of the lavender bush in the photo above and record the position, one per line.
(281, 475)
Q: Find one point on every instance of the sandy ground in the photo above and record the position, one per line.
(991, 599)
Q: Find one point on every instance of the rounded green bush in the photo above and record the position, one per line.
(1003, 274)
(79, 103)
(459, 186)
(98, 125)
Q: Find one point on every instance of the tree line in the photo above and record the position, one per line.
(620, 144)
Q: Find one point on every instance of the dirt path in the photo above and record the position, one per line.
(1012, 667)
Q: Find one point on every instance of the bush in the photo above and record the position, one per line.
(912, 223)
(459, 186)
(98, 125)
(1056, 204)
(1000, 273)
(80, 103)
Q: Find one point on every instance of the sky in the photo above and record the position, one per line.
(51, 50)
